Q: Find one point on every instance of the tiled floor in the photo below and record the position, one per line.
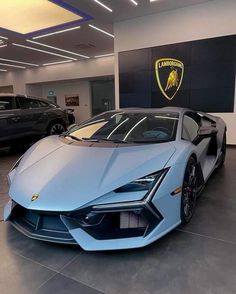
(197, 258)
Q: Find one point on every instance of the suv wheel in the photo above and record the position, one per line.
(56, 128)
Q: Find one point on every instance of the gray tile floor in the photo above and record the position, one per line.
(197, 258)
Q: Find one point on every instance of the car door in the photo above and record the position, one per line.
(9, 117)
(31, 112)
(191, 124)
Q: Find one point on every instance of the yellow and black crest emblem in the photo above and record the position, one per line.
(34, 197)
(169, 75)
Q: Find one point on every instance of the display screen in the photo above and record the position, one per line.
(199, 75)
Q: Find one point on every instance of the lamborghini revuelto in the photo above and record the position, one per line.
(122, 179)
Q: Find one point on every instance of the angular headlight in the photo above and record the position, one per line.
(145, 183)
(124, 219)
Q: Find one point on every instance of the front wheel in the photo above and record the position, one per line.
(189, 191)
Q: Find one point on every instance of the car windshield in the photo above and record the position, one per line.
(128, 127)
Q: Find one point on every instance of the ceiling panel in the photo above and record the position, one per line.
(85, 40)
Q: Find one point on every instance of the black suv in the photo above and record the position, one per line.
(24, 117)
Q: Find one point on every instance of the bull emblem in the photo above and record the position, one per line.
(169, 75)
(173, 80)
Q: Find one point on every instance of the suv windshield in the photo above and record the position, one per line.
(128, 127)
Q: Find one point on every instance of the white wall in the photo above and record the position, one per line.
(34, 90)
(211, 19)
(75, 70)
(79, 87)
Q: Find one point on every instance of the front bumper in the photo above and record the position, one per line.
(37, 225)
(118, 227)
(160, 210)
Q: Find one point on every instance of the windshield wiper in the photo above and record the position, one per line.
(90, 139)
(98, 140)
(114, 140)
(149, 141)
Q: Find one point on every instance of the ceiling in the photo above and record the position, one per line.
(85, 40)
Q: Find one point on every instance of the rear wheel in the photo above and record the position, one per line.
(189, 191)
(56, 128)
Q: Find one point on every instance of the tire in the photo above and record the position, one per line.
(189, 191)
(223, 151)
(56, 128)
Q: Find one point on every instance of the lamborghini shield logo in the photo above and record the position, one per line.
(34, 197)
(169, 75)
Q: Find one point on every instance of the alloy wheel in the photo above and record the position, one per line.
(189, 194)
(57, 129)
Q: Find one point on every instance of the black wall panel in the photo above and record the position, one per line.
(208, 82)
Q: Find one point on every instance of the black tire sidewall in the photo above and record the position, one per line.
(184, 219)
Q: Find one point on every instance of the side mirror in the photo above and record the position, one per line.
(205, 132)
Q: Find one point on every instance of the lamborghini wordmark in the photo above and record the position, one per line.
(122, 179)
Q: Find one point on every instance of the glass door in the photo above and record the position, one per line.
(103, 96)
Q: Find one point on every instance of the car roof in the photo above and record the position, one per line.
(173, 109)
(25, 96)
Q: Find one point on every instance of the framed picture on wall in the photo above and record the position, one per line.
(72, 100)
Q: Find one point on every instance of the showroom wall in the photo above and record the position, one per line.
(212, 19)
(64, 79)
(70, 71)
(197, 75)
(58, 91)
(72, 88)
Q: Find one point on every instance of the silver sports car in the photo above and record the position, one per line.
(122, 179)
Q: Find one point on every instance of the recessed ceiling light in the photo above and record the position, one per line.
(134, 2)
(43, 51)
(2, 46)
(102, 31)
(104, 55)
(52, 47)
(57, 32)
(11, 65)
(34, 15)
(103, 5)
(3, 69)
(58, 62)
(5, 38)
(20, 62)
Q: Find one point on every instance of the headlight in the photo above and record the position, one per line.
(124, 219)
(143, 184)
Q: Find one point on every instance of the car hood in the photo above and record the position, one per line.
(68, 176)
